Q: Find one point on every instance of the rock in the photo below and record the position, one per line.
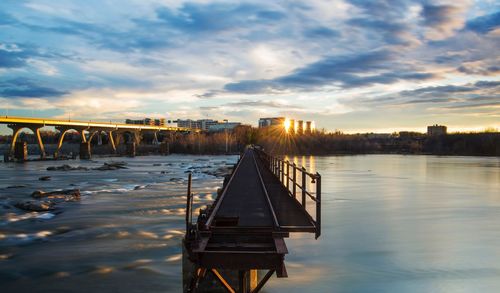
(16, 186)
(112, 166)
(44, 178)
(35, 206)
(65, 195)
(156, 165)
(66, 168)
(219, 172)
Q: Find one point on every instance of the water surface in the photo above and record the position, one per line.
(391, 223)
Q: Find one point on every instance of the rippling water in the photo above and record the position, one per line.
(390, 224)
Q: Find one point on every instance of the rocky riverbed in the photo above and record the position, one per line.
(79, 225)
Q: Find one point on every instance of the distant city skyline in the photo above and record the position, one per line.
(355, 66)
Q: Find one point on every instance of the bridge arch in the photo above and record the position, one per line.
(17, 130)
(62, 134)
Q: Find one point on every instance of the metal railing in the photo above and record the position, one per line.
(294, 179)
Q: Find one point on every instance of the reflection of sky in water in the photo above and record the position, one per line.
(401, 224)
(390, 224)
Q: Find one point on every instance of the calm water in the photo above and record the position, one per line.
(390, 224)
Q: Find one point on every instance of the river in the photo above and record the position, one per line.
(391, 223)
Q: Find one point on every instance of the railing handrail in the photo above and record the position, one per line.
(281, 169)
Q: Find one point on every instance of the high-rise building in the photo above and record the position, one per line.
(308, 129)
(436, 130)
(300, 127)
(273, 121)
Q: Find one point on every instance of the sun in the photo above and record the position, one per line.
(287, 125)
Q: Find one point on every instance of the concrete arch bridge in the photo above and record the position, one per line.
(116, 133)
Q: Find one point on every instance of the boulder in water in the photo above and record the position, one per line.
(65, 195)
(35, 206)
(112, 166)
(66, 168)
(16, 186)
(44, 178)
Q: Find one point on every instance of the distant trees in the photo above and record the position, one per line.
(277, 141)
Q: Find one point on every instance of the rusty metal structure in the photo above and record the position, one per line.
(261, 203)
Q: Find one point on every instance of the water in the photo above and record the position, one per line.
(391, 223)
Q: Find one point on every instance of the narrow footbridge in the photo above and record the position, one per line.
(261, 203)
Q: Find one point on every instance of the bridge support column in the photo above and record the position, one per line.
(85, 151)
(21, 151)
(131, 151)
(40, 142)
(99, 138)
(60, 143)
(165, 148)
(137, 137)
(155, 138)
(16, 129)
(111, 141)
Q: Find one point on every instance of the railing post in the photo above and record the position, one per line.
(275, 167)
(288, 175)
(304, 187)
(282, 172)
(318, 205)
(294, 181)
(188, 203)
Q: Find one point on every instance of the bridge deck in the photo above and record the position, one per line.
(254, 195)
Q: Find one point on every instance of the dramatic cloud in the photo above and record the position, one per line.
(345, 63)
(378, 67)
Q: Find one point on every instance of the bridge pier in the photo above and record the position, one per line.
(131, 149)
(165, 148)
(85, 151)
(21, 151)
(16, 129)
(63, 131)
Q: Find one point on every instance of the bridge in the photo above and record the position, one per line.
(116, 132)
(242, 232)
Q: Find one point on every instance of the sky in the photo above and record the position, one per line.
(352, 65)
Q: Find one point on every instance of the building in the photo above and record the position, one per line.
(291, 128)
(206, 124)
(223, 126)
(300, 127)
(273, 121)
(309, 128)
(147, 121)
(436, 130)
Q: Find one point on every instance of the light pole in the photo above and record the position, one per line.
(225, 131)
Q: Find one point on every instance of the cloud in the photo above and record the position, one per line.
(321, 32)
(21, 87)
(484, 24)
(216, 17)
(12, 56)
(442, 20)
(355, 70)
(448, 96)
(204, 58)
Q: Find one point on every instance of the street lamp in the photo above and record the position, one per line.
(225, 130)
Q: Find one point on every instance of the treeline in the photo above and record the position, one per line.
(276, 141)
(477, 144)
